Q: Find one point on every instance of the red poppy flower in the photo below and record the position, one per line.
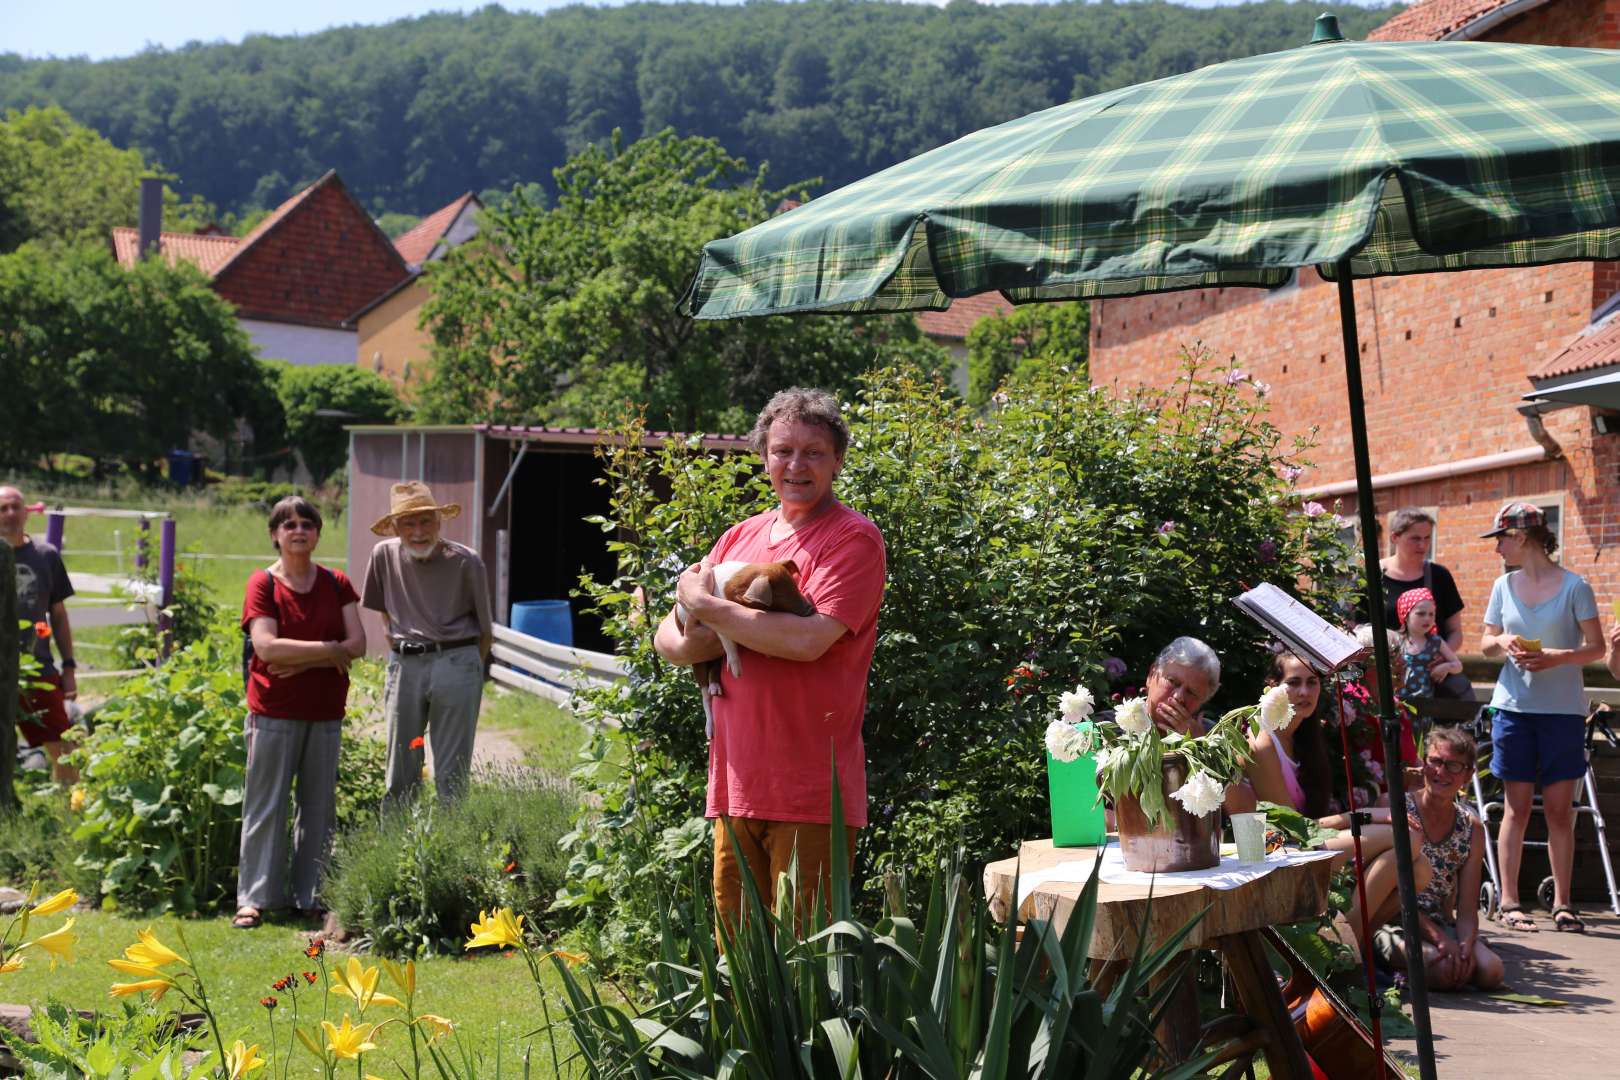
(268, 1002)
(42, 629)
(418, 742)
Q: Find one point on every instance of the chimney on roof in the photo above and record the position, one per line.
(151, 219)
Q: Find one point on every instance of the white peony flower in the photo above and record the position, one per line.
(1201, 795)
(1132, 716)
(1275, 709)
(1062, 741)
(1105, 759)
(1076, 704)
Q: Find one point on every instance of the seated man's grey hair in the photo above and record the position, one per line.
(1194, 654)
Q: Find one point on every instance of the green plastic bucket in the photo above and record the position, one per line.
(1077, 815)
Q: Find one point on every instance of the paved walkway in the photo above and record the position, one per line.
(1477, 1038)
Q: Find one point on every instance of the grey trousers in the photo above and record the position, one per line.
(278, 751)
(433, 696)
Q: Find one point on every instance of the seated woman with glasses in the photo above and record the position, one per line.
(1454, 953)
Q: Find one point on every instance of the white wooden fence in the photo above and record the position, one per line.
(550, 670)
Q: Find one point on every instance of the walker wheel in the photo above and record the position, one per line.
(1488, 899)
(1544, 893)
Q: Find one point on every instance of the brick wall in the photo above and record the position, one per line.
(1444, 360)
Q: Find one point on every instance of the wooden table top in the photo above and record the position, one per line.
(1287, 894)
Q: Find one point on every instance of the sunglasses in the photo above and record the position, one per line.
(299, 524)
(1448, 766)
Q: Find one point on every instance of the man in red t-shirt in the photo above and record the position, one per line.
(801, 699)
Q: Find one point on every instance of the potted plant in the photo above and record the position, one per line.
(1167, 790)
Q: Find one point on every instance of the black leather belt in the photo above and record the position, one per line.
(422, 648)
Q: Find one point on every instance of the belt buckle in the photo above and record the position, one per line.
(412, 648)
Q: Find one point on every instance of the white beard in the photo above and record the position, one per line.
(420, 552)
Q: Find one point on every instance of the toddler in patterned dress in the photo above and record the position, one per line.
(1428, 658)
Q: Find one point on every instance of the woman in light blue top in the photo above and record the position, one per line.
(1543, 619)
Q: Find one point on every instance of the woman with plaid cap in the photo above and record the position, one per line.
(1543, 620)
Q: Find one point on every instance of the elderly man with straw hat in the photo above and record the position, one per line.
(434, 599)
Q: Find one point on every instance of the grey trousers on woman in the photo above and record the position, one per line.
(278, 751)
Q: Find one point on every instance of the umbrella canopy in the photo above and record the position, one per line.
(1404, 157)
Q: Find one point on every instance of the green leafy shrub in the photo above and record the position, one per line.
(415, 880)
(37, 844)
(1062, 537)
(162, 780)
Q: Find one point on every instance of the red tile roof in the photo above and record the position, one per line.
(316, 260)
(416, 245)
(1439, 19)
(954, 322)
(1596, 346)
(207, 251)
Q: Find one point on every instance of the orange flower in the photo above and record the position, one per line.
(315, 949)
(418, 742)
(268, 1002)
(42, 629)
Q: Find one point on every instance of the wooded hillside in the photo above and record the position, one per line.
(417, 111)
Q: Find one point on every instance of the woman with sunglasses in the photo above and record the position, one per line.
(1454, 954)
(304, 624)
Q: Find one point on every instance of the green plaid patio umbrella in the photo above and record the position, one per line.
(1361, 159)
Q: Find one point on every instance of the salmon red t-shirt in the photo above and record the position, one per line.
(779, 726)
(315, 693)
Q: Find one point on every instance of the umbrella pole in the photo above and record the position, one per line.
(1416, 981)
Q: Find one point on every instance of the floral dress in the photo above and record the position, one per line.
(1447, 856)
(1418, 683)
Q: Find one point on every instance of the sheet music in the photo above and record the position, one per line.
(1299, 626)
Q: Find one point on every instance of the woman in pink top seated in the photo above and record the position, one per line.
(1291, 766)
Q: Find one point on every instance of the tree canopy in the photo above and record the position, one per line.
(416, 112)
(63, 183)
(559, 315)
(116, 364)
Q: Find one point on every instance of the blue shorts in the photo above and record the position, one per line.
(1545, 747)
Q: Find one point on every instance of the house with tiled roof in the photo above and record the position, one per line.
(1447, 360)
(390, 338)
(300, 277)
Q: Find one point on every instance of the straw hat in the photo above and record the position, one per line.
(411, 497)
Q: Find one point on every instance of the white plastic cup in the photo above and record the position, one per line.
(1249, 831)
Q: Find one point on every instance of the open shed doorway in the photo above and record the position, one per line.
(553, 491)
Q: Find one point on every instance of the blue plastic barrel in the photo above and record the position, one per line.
(548, 620)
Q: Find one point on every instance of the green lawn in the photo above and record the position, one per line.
(549, 735)
(489, 997)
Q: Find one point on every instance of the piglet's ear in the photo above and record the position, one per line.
(759, 591)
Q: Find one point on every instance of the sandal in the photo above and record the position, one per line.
(1565, 919)
(1514, 918)
(247, 917)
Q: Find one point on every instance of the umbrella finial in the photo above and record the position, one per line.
(1326, 29)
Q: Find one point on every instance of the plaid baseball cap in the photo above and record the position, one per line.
(1515, 515)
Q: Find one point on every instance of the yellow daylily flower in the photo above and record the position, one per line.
(499, 928)
(59, 943)
(404, 975)
(130, 967)
(60, 902)
(350, 1040)
(159, 987)
(438, 1025)
(76, 800)
(360, 983)
(152, 952)
(14, 964)
(241, 1060)
(572, 959)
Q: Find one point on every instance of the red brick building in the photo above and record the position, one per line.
(1446, 360)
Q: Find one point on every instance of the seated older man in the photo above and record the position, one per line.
(1183, 677)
